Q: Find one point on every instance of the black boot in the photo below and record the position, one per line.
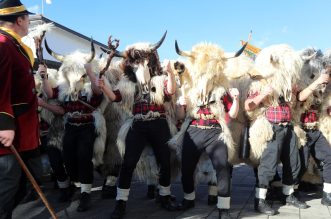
(158, 197)
(308, 187)
(64, 195)
(212, 199)
(294, 201)
(224, 214)
(326, 200)
(84, 202)
(108, 192)
(151, 191)
(186, 204)
(275, 194)
(167, 203)
(119, 210)
(261, 205)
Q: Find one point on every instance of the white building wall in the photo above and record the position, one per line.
(62, 42)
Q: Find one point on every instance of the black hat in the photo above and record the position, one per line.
(12, 8)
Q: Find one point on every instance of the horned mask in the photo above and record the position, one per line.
(141, 63)
(72, 71)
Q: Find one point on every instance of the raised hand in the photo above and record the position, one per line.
(234, 93)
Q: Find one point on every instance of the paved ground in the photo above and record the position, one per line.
(139, 207)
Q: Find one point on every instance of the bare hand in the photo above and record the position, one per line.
(267, 91)
(7, 137)
(100, 83)
(169, 69)
(42, 71)
(41, 102)
(323, 79)
(234, 93)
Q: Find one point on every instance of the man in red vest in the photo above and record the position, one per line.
(18, 103)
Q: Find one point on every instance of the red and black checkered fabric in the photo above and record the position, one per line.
(205, 110)
(310, 115)
(279, 114)
(78, 106)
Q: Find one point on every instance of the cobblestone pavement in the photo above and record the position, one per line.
(139, 207)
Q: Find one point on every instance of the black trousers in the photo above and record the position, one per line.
(157, 134)
(318, 147)
(78, 142)
(13, 181)
(57, 163)
(196, 141)
(283, 147)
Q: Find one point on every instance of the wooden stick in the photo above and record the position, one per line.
(33, 181)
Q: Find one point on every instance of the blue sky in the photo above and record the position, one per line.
(299, 23)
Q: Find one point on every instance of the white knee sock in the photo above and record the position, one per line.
(223, 202)
(64, 184)
(85, 188)
(164, 190)
(260, 193)
(288, 189)
(327, 187)
(122, 194)
(189, 196)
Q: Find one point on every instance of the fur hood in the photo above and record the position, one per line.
(280, 67)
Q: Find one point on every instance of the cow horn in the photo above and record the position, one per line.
(92, 52)
(58, 57)
(180, 52)
(158, 44)
(241, 50)
(307, 58)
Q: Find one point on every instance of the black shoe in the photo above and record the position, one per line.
(326, 200)
(84, 202)
(212, 199)
(151, 191)
(158, 197)
(294, 201)
(308, 187)
(262, 206)
(119, 210)
(108, 192)
(64, 195)
(297, 194)
(224, 214)
(167, 203)
(186, 204)
(275, 194)
(173, 198)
